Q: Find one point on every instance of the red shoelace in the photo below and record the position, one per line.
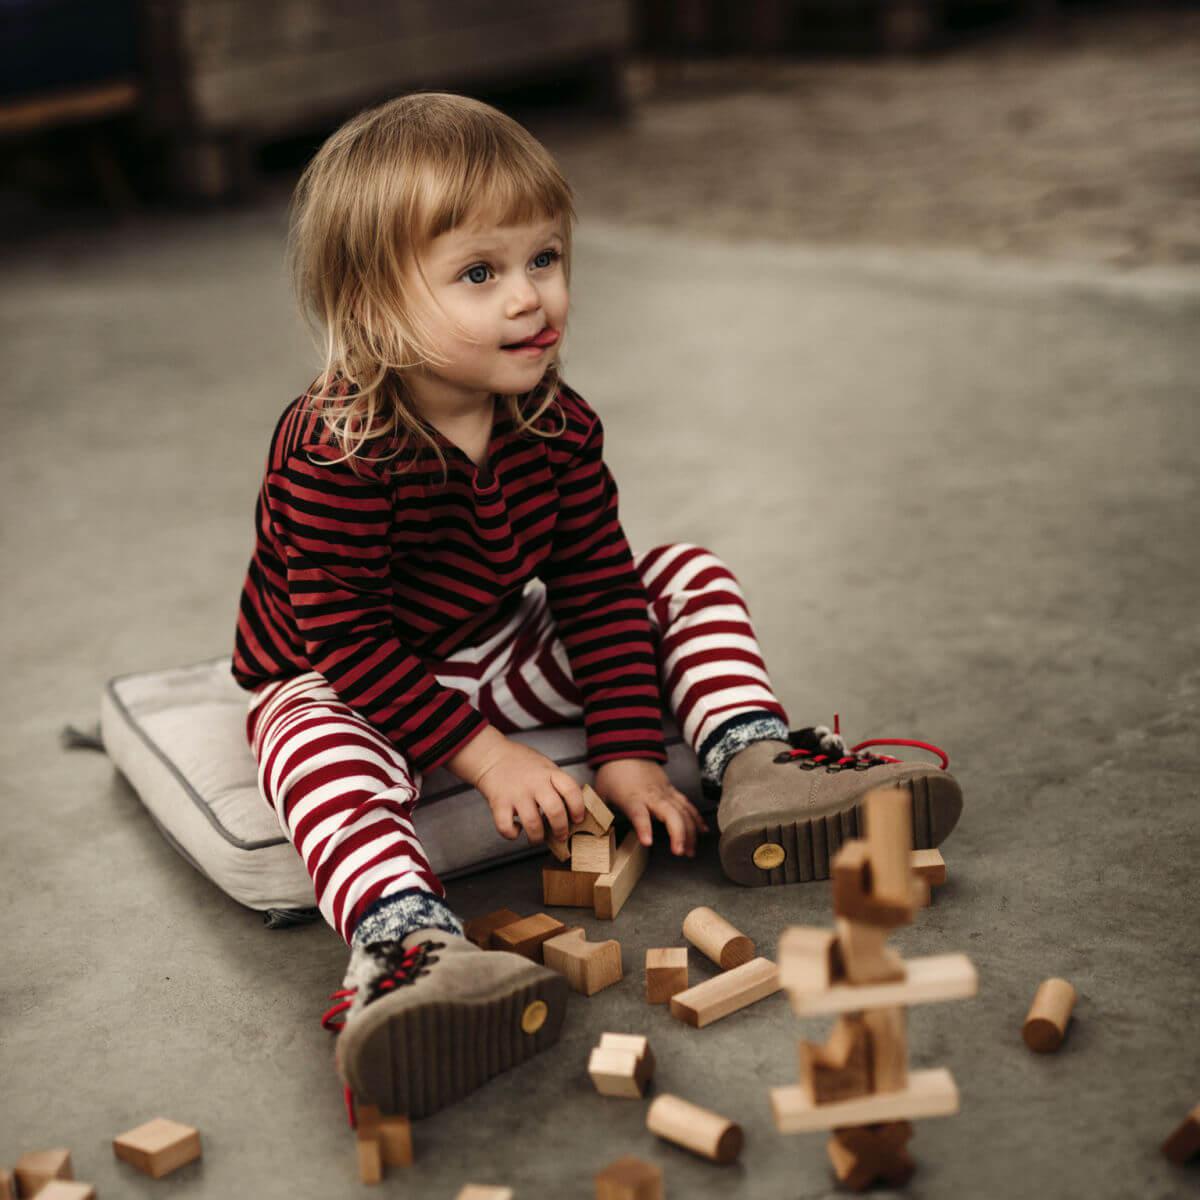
(856, 760)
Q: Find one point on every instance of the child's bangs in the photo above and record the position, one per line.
(509, 190)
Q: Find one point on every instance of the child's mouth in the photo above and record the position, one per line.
(535, 345)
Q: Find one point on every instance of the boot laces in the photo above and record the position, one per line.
(856, 758)
(402, 967)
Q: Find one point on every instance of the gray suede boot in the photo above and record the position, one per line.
(430, 1018)
(785, 812)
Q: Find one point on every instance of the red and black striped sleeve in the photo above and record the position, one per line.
(600, 606)
(332, 530)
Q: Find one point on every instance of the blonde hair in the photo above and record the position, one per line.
(379, 190)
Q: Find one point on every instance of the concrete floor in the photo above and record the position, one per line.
(962, 499)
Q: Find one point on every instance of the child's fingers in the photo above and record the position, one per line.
(551, 803)
(693, 812)
(677, 827)
(506, 826)
(640, 817)
(572, 795)
(531, 821)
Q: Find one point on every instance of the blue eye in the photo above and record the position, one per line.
(552, 255)
(469, 273)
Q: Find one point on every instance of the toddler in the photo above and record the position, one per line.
(439, 564)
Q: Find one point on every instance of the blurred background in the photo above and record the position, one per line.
(1062, 127)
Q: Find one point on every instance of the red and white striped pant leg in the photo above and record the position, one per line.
(343, 795)
(710, 662)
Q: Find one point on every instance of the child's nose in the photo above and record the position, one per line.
(523, 297)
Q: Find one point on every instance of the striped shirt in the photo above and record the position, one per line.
(371, 578)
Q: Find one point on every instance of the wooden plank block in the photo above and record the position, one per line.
(393, 1133)
(483, 1191)
(598, 818)
(613, 889)
(480, 930)
(887, 1029)
(370, 1157)
(928, 980)
(594, 852)
(666, 973)
(589, 966)
(527, 935)
(862, 1154)
(930, 866)
(697, 1129)
(724, 994)
(929, 1094)
(711, 934)
(62, 1189)
(841, 1068)
(630, 1178)
(560, 848)
(1049, 1015)
(568, 889)
(865, 955)
(890, 843)
(809, 960)
(37, 1168)
(1184, 1140)
(158, 1147)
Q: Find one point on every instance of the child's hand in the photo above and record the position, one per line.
(522, 786)
(640, 789)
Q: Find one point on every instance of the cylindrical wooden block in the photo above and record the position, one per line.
(1046, 1025)
(711, 933)
(694, 1128)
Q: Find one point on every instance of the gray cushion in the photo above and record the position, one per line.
(178, 736)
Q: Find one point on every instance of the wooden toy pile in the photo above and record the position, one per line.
(857, 1084)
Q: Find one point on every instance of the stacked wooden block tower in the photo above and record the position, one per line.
(857, 1084)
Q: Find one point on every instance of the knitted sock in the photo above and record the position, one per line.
(394, 917)
(731, 736)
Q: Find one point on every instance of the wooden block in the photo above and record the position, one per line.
(37, 1168)
(6, 1186)
(613, 889)
(594, 853)
(370, 1157)
(930, 866)
(622, 1065)
(560, 848)
(711, 934)
(1046, 1024)
(724, 994)
(864, 1154)
(527, 935)
(929, 1094)
(158, 1147)
(927, 980)
(864, 953)
(589, 966)
(393, 1133)
(61, 1189)
(1184, 1141)
(809, 959)
(480, 930)
(568, 889)
(598, 818)
(630, 1179)
(841, 1068)
(697, 1129)
(483, 1191)
(852, 879)
(887, 1029)
(666, 973)
(890, 843)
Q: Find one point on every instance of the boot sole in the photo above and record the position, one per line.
(809, 844)
(418, 1059)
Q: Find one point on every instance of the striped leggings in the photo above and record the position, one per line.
(344, 795)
